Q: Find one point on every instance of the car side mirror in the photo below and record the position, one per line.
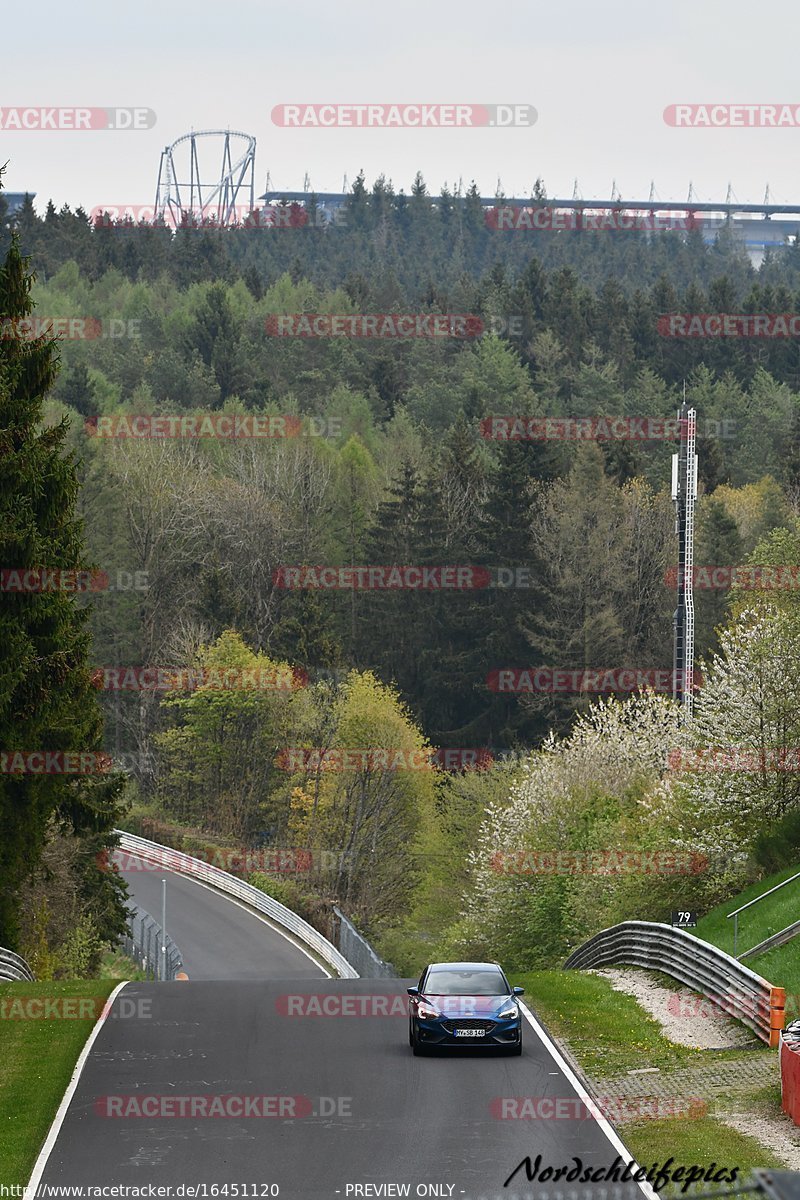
(518, 991)
(414, 991)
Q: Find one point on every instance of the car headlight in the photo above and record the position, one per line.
(508, 1013)
(427, 1013)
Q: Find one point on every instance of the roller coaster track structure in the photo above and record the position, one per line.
(185, 194)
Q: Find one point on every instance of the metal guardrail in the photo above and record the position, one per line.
(737, 990)
(776, 939)
(184, 864)
(357, 950)
(762, 1181)
(750, 903)
(143, 945)
(13, 966)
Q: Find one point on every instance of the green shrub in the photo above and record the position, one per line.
(81, 953)
(779, 846)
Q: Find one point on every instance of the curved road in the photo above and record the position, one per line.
(218, 938)
(339, 1107)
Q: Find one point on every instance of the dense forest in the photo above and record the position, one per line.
(389, 464)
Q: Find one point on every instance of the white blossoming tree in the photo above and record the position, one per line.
(636, 778)
(583, 794)
(743, 766)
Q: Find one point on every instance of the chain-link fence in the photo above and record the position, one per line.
(358, 951)
(143, 945)
(279, 914)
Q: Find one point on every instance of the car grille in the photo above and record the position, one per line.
(452, 1026)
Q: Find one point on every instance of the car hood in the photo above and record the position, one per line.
(468, 1006)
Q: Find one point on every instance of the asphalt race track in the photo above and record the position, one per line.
(218, 938)
(343, 1106)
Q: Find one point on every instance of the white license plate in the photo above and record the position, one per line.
(470, 1033)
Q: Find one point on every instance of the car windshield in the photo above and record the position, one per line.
(466, 983)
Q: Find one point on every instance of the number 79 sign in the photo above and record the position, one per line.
(684, 919)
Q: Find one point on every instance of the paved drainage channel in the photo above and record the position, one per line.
(733, 1075)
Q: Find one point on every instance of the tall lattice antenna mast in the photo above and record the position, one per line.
(684, 493)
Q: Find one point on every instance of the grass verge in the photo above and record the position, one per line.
(781, 966)
(38, 1057)
(117, 966)
(704, 1142)
(608, 1033)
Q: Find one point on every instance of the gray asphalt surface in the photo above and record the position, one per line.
(359, 1111)
(217, 938)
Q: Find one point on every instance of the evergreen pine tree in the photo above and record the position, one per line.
(499, 615)
(78, 391)
(717, 544)
(47, 702)
(391, 626)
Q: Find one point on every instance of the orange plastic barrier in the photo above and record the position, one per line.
(777, 1014)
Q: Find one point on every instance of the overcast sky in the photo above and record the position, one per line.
(599, 73)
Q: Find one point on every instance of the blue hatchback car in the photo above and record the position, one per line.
(464, 1004)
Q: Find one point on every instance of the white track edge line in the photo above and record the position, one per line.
(66, 1100)
(253, 913)
(602, 1121)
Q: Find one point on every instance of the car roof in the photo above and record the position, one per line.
(464, 966)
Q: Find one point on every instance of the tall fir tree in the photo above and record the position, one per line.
(447, 697)
(717, 544)
(47, 701)
(392, 624)
(500, 613)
